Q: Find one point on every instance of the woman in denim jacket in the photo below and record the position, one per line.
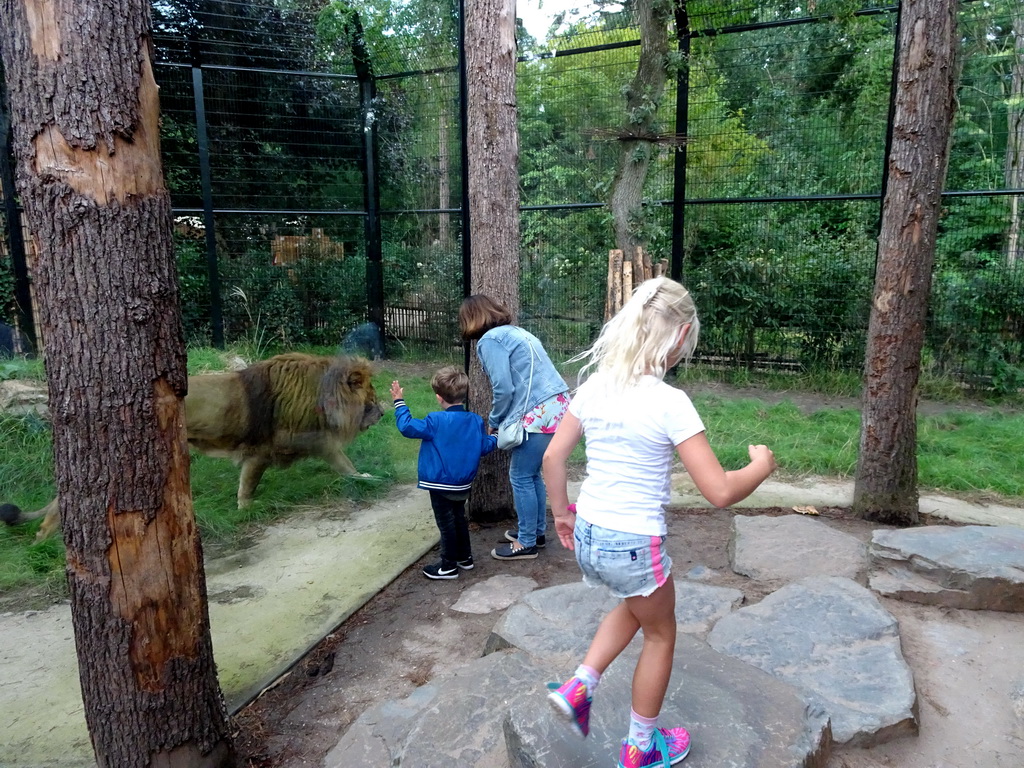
(525, 385)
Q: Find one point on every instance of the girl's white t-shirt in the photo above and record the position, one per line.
(631, 438)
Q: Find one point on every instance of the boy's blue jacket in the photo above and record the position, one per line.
(453, 442)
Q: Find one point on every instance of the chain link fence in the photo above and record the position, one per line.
(313, 152)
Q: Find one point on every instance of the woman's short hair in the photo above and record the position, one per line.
(451, 383)
(479, 313)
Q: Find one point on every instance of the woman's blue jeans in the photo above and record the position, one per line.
(528, 491)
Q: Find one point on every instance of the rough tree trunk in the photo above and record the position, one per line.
(85, 112)
(1015, 140)
(886, 483)
(638, 141)
(493, 145)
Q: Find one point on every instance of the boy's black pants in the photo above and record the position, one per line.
(450, 516)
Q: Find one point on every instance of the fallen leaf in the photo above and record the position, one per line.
(806, 510)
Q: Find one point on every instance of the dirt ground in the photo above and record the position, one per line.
(408, 635)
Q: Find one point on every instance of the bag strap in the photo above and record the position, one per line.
(529, 387)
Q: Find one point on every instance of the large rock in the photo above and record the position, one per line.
(793, 547)
(494, 594)
(455, 721)
(537, 624)
(493, 713)
(973, 566)
(737, 716)
(830, 638)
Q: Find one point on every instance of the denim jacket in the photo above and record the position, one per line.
(504, 353)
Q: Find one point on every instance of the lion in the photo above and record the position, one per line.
(274, 412)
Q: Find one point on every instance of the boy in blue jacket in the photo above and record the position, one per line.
(453, 440)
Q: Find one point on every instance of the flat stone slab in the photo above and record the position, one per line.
(792, 547)
(494, 594)
(975, 566)
(832, 639)
(737, 716)
(559, 622)
(455, 721)
(494, 713)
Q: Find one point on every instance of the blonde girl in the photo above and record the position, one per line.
(634, 423)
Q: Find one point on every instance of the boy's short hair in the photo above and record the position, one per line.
(451, 383)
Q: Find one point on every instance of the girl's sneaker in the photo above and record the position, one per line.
(670, 745)
(572, 702)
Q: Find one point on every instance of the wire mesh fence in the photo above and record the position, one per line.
(313, 152)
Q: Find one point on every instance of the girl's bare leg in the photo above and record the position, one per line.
(656, 616)
(613, 635)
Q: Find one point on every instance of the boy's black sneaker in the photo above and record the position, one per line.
(466, 565)
(509, 552)
(439, 571)
(542, 540)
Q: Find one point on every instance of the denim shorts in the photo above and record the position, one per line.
(629, 564)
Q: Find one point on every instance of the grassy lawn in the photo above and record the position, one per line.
(959, 453)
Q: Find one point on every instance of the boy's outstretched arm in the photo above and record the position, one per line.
(566, 438)
(407, 425)
(723, 488)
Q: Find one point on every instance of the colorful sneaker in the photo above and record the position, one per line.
(572, 701)
(439, 571)
(542, 540)
(511, 552)
(670, 745)
(466, 565)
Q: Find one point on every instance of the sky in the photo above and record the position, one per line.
(537, 14)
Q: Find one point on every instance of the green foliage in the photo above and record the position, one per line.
(976, 322)
(273, 308)
(194, 287)
(7, 305)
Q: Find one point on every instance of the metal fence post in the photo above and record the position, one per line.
(682, 120)
(367, 104)
(206, 178)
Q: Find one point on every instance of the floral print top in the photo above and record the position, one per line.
(545, 417)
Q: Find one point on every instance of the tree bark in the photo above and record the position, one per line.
(493, 146)
(638, 145)
(85, 111)
(886, 482)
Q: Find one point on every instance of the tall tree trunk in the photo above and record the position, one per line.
(1015, 139)
(886, 483)
(638, 139)
(493, 145)
(85, 112)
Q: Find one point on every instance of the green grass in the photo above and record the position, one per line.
(958, 453)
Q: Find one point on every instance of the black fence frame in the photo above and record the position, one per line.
(373, 214)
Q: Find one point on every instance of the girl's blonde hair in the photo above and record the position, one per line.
(644, 334)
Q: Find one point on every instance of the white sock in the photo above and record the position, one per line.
(590, 677)
(641, 730)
